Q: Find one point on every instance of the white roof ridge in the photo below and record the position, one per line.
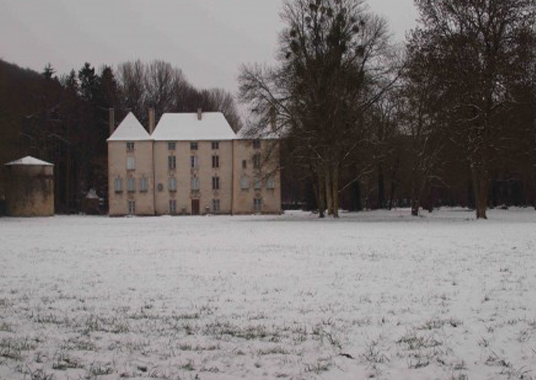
(29, 160)
(130, 129)
(185, 126)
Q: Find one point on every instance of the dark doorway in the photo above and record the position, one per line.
(195, 206)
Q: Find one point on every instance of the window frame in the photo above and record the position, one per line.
(172, 145)
(194, 145)
(195, 183)
(172, 207)
(172, 162)
(144, 185)
(131, 185)
(130, 146)
(216, 205)
(172, 184)
(215, 161)
(244, 183)
(131, 204)
(215, 182)
(118, 185)
(131, 163)
(194, 162)
(215, 145)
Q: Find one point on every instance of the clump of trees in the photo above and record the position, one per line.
(332, 68)
(449, 118)
(65, 120)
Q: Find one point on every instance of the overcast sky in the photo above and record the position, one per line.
(207, 39)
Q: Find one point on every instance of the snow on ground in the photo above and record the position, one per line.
(374, 294)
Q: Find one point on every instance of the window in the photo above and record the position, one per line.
(215, 145)
(144, 185)
(131, 207)
(173, 207)
(215, 161)
(172, 162)
(195, 184)
(244, 183)
(215, 205)
(193, 162)
(270, 183)
(130, 146)
(131, 163)
(172, 184)
(131, 185)
(244, 164)
(256, 161)
(171, 146)
(215, 183)
(257, 203)
(258, 184)
(193, 146)
(118, 184)
(256, 144)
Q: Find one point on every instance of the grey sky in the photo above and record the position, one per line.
(207, 39)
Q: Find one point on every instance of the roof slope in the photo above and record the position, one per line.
(130, 129)
(186, 127)
(29, 160)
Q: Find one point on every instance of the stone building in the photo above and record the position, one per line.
(190, 164)
(29, 187)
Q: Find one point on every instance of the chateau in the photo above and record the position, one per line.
(190, 164)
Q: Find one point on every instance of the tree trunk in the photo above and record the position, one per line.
(329, 195)
(335, 187)
(320, 199)
(480, 188)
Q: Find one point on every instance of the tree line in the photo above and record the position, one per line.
(65, 119)
(447, 119)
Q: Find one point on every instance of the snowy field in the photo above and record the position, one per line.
(373, 295)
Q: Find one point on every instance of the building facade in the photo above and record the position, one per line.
(190, 164)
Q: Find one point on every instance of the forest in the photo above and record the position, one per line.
(446, 119)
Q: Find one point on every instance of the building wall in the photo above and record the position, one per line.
(117, 168)
(232, 198)
(244, 198)
(29, 190)
(183, 173)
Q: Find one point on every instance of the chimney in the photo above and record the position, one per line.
(151, 120)
(199, 114)
(111, 120)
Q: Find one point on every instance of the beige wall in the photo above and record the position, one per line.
(243, 200)
(117, 167)
(184, 173)
(29, 190)
(232, 198)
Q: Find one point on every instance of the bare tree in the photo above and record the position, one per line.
(331, 62)
(472, 46)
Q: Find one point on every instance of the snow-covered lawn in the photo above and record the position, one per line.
(375, 294)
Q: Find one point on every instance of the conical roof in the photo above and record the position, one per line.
(29, 160)
(130, 129)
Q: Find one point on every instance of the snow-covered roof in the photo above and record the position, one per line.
(187, 127)
(130, 129)
(29, 160)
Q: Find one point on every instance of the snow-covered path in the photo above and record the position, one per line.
(373, 294)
